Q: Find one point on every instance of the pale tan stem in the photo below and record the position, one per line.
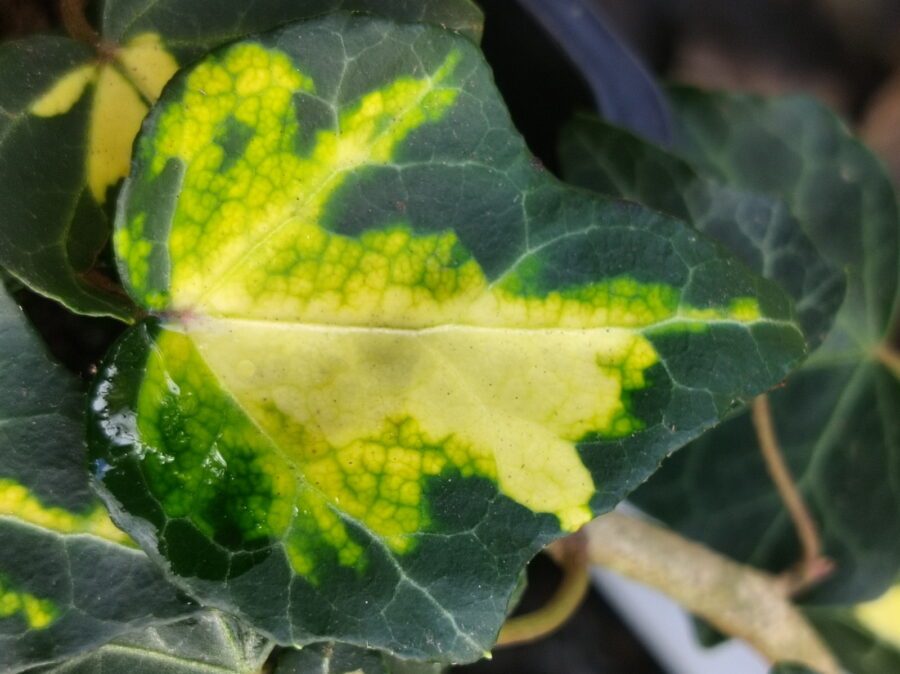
(571, 555)
(814, 566)
(737, 600)
(889, 358)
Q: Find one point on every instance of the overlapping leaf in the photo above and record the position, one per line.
(392, 356)
(836, 418)
(69, 115)
(209, 642)
(69, 579)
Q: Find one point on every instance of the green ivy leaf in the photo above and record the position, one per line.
(794, 148)
(210, 642)
(836, 417)
(53, 228)
(336, 658)
(69, 116)
(392, 357)
(756, 226)
(69, 579)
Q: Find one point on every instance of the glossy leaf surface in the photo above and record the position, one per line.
(69, 116)
(835, 418)
(207, 643)
(69, 579)
(392, 356)
(54, 225)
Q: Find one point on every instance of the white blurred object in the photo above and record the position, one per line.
(667, 631)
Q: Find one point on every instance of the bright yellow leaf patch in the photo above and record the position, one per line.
(123, 88)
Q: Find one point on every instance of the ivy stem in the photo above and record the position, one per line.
(72, 13)
(75, 22)
(570, 554)
(813, 566)
(888, 357)
(736, 599)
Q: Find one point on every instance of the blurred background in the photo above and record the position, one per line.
(844, 52)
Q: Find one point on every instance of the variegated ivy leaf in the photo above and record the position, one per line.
(392, 357)
(69, 115)
(836, 417)
(69, 579)
(210, 643)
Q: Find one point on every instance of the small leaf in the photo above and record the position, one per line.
(392, 356)
(836, 417)
(69, 116)
(69, 579)
(344, 659)
(210, 642)
(53, 228)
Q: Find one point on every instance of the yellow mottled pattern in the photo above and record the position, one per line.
(882, 615)
(216, 259)
(371, 364)
(38, 613)
(18, 502)
(119, 105)
(220, 439)
(504, 404)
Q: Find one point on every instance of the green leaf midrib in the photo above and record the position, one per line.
(187, 321)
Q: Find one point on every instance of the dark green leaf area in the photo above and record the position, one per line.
(69, 580)
(338, 658)
(796, 149)
(193, 28)
(859, 650)
(53, 229)
(839, 440)
(756, 226)
(210, 642)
